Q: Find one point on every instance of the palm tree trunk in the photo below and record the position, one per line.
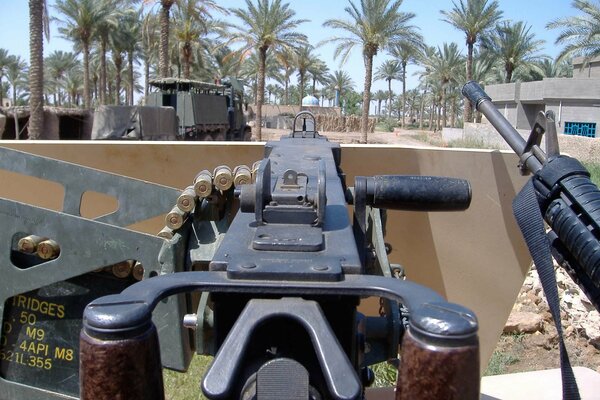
(422, 109)
(403, 94)
(509, 72)
(260, 90)
(14, 94)
(453, 113)
(36, 69)
(431, 115)
(146, 78)
(131, 76)
(421, 112)
(366, 97)
(163, 62)
(187, 60)
(389, 98)
(86, 76)
(103, 73)
(467, 112)
(301, 87)
(445, 107)
(287, 93)
(118, 65)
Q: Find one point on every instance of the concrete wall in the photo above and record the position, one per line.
(508, 92)
(272, 110)
(549, 88)
(582, 148)
(591, 70)
(574, 111)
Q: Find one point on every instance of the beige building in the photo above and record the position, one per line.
(575, 101)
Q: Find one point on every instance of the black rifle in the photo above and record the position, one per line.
(568, 199)
(281, 291)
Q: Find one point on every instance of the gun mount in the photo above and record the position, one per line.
(247, 308)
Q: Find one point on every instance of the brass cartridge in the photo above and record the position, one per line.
(203, 184)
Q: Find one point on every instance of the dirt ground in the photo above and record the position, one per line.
(514, 353)
(403, 137)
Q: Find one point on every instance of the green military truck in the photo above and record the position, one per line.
(205, 111)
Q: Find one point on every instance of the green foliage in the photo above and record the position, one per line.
(470, 142)
(499, 362)
(501, 358)
(385, 374)
(594, 170)
(387, 125)
(186, 386)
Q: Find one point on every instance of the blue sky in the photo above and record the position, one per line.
(15, 38)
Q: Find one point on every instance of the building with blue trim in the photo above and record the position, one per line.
(575, 101)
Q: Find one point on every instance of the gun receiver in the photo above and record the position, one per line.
(569, 200)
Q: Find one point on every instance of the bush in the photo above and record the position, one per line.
(387, 125)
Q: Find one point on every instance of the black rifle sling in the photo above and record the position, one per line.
(529, 218)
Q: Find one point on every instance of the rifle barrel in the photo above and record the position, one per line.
(483, 104)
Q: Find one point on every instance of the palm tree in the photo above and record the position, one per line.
(5, 58)
(318, 71)
(579, 33)
(555, 68)
(150, 38)
(192, 21)
(219, 63)
(79, 24)
(249, 70)
(515, 46)
(374, 26)
(131, 27)
(474, 18)
(105, 29)
(38, 25)
(380, 96)
(163, 58)
(388, 71)
(444, 67)
(58, 63)
(15, 74)
(267, 24)
(286, 60)
(304, 60)
(74, 86)
(407, 51)
(340, 82)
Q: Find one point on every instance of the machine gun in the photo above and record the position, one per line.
(278, 270)
(567, 198)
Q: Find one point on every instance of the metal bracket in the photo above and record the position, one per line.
(544, 123)
(339, 374)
